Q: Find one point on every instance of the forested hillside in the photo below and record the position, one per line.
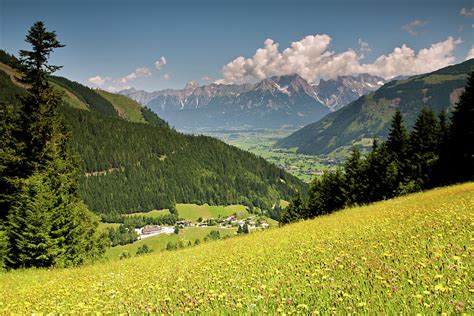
(130, 166)
(135, 166)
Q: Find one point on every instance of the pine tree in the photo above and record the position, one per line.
(397, 147)
(424, 148)
(47, 223)
(397, 141)
(29, 225)
(315, 201)
(295, 211)
(461, 137)
(353, 170)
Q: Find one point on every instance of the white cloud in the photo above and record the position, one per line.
(467, 12)
(470, 53)
(312, 59)
(114, 85)
(160, 62)
(166, 76)
(412, 27)
(96, 81)
(138, 73)
(206, 78)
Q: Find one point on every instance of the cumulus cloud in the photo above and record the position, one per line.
(467, 12)
(206, 78)
(138, 73)
(412, 27)
(312, 59)
(96, 81)
(166, 76)
(160, 62)
(117, 84)
(470, 53)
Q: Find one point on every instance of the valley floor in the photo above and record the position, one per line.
(261, 143)
(408, 255)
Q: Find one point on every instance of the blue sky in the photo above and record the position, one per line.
(110, 40)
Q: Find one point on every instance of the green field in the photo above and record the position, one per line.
(194, 211)
(126, 107)
(153, 214)
(408, 255)
(103, 226)
(261, 143)
(158, 243)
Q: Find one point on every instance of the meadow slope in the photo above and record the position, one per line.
(411, 254)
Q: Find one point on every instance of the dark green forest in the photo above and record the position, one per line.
(154, 166)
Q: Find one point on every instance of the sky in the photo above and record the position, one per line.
(153, 45)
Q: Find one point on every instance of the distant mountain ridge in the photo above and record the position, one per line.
(271, 103)
(370, 115)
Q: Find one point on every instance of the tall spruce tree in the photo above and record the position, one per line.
(460, 160)
(424, 148)
(397, 147)
(397, 141)
(354, 182)
(47, 223)
(295, 211)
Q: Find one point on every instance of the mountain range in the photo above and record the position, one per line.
(276, 102)
(369, 116)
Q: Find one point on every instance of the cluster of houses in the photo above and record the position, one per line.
(222, 222)
(233, 221)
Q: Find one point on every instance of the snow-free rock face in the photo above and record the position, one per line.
(271, 103)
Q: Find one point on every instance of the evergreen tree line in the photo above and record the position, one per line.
(435, 153)
(138, 221)
(43, 221)
(122, 235)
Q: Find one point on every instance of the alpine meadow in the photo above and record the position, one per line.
(236, 158)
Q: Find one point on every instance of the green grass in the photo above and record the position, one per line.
(153, 214)
(194, 211)
(437, 79)
(126, 107)
(158, 243)
(408, 255)
(71, 99)
(103, 226)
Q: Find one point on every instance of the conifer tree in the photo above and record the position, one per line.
(397, 147)
(295, 211)
(47, 223)
(397, 141)
(354, 184)
(423, 147)
(461, 137)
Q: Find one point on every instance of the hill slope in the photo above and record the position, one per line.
(370, 115)
(130, 166)
(407, 255)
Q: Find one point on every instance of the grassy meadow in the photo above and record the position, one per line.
(408, 255)
(194, 211)
(158, 242)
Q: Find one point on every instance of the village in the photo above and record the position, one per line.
(253, 222)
